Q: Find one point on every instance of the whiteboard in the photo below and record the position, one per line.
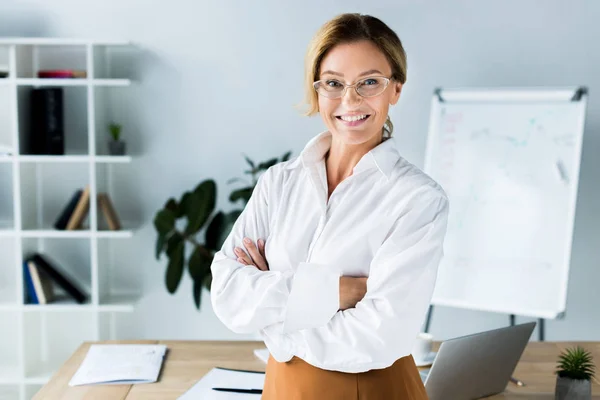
(509, 161)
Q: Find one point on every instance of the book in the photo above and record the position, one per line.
(108, 211)
(120, 364)
(53, 273)
(63, 219)
(62, 73)
(81, 210)
(29, 290)
(42, 285)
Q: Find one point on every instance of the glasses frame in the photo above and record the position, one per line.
(354, 85)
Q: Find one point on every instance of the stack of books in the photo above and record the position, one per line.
(77, 209)
(39, 278)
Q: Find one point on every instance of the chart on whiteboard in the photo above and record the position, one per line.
(509, 172)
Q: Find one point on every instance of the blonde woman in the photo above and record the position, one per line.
(335, 256)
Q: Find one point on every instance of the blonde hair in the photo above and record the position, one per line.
(348, 28)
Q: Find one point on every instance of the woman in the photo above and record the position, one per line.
(296, 262)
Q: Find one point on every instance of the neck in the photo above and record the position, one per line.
(341, 158)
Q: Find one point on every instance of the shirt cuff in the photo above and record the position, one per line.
(314, 298)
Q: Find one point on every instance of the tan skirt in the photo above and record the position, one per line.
(298, 380)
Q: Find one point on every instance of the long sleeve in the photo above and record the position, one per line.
(247, 299)
(384, 324)
(244, 298)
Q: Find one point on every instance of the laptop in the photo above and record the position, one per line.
(478, 365)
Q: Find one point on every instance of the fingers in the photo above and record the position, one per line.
(261, 248)
(255, 254)
(242, 257)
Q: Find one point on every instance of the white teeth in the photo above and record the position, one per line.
(353, 118)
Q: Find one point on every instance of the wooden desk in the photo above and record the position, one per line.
(187, 362)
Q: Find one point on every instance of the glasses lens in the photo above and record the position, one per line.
(329, 88)
(370, 87)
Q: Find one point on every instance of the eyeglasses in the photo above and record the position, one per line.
(367, 87)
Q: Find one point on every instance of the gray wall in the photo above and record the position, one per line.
(219, 78)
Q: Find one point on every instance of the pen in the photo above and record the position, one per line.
(251, 391)
(516, 381)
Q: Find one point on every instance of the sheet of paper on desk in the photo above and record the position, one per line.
(120, 364)
(217, 377)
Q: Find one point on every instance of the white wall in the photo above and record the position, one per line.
(219, 78)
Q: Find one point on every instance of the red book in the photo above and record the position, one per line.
(61, 73)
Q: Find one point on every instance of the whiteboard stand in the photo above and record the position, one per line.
(508, 159)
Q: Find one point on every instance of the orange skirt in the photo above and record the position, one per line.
(298, 380)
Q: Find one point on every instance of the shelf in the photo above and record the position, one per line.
(72, 82)
(113, 159)
(72, 159)
(53, 158)
(35, 189)
(112, 304)
(58, 234)
(43, 41)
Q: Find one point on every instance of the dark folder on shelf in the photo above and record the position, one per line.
(59, 278)
(63, 219)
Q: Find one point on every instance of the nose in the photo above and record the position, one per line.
(351, 98)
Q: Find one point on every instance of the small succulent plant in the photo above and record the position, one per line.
(575, 363)
(115, 130)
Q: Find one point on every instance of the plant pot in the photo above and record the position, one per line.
(572, 389)
(116, 148)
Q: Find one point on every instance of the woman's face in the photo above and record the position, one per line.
(349, 63)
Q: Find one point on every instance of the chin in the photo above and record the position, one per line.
(353, 136)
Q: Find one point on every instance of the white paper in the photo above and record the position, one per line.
(227, 379)
(120, 364)
(262, 354)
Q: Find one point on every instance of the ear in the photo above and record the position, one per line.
(396, 90)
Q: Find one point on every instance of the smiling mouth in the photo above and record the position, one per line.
(353, 118)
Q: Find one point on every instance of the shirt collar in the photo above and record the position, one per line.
(383, 156)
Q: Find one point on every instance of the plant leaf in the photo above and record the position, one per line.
(207, 281)
(172, 205)
(164, 221)
(286, 156)
(199, 264)
(243, 194)
(160, 244)
(200, 205)
(250, 162)
(183, 204)
(197, 293)
(219, 228)
(175, 251)
(236, 179)
(267, 164)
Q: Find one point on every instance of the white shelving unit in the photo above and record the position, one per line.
(36, 339)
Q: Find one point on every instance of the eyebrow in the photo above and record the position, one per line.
(369, 72)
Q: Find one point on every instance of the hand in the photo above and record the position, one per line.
(352, 290)
(255, 256)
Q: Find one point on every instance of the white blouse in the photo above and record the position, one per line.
(386, 221)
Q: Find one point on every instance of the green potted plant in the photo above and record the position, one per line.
(574, 373)
(178, 225)
(116, 147)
